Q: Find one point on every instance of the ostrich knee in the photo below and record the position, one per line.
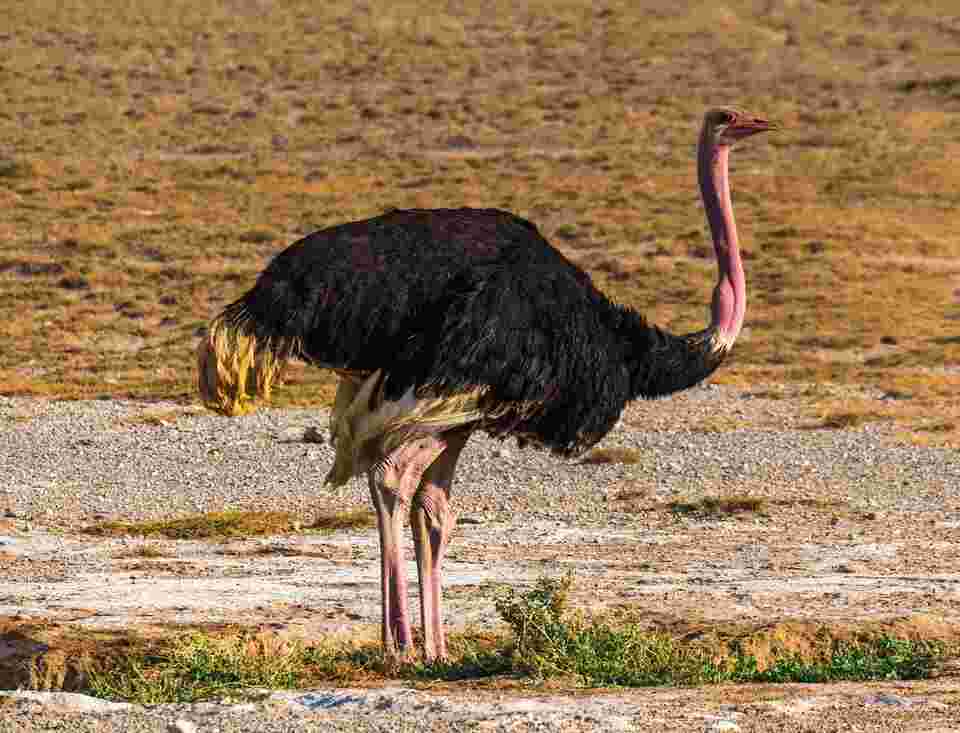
(432, 503)
(432, 520)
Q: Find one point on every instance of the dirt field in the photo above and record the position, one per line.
(153, 156)
(869, 544)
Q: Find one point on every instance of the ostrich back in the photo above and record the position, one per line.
(446, 301)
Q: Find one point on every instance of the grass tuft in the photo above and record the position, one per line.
(601, 456)
(843, 420)
(203, 526)
(257, 236)
(11, 168)
(948, 85)
(230, 524)
(718, 506)
(148, 550)
(352, 519)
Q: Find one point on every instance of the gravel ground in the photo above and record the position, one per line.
(69, 461)
(844, 707)
(858, 527)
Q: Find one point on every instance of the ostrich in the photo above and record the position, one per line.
(444, 321)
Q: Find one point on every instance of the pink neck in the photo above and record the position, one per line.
(730, 294)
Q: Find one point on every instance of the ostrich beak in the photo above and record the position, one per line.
(747, 126)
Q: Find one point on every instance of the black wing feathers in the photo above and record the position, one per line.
(450, 300)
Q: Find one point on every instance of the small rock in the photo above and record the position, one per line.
(502, 452)
(460, 142)
(851, 568)
(314, 435)
(722, 725)
(74, 282)
(326, 701)
(884, 698)
(302, 435)
(72, 702)
(291, 435)
(182, 726)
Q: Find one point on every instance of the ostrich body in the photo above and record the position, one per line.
(441, 322)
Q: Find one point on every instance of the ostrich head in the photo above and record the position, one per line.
(724, 127)
(728, 125)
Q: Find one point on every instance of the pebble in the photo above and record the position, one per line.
(183, 726)
(314, 435)
(66, 702)
(885, 698)
(718, 726)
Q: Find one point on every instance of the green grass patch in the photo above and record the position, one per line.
(200, 667)
(550, 642)
(203, 666)
(546, 641)
(947, 85)
(882, 658)
(13, 168)
(229, 524)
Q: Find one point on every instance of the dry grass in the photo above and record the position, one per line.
(721, 506)
(232, 524)
(204, 526)
(174, 147)
(600, 456)
(736, 505)
(146, 550)
(159, 417)
(841, 420)
(350, 519)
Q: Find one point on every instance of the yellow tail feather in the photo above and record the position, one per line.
(234, 368)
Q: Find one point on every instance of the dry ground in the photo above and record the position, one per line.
(153, 156)
(796, 557)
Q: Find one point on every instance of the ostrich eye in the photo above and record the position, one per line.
(728, 118)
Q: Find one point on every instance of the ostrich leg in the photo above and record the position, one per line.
(432, 521)
(392, 484)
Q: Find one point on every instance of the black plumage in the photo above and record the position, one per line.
(448, 300)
